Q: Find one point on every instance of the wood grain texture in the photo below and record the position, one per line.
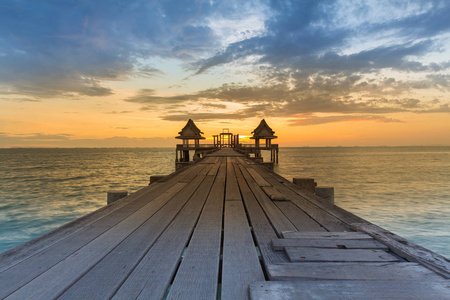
(353, 235)
(105, 277)
(280, 244)
(33, 247)
(351, 271)
(276, 217)
(338, 255)
(163, 258)
(407, 249)
(257, 177)
(197, 276)
(350, 290)
(263, 230)
(274, 194)
(240, 260)
(70, 258)
(323, 217)
(232, 189)
(298, 217)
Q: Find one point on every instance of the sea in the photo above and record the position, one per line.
(403, 189)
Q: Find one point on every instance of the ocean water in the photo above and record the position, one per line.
(403, 189)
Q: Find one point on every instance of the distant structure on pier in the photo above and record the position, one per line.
(225, 139)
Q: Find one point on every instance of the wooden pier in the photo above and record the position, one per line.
(222, 228)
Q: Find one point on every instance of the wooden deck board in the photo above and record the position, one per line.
(351, 289)
(163, 258)
(103, 279)
(298, 217)
(79, 253)
(33, 247)
(262, 228)
(296, 254)
(351, 271)
(276, 217)
(134, 247)
(65, 273)
(240, 260)
(197, 277)
(281, 244)
(328, 235)
(322, 216)
(232, 189)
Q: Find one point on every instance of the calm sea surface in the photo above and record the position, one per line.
(403, 189)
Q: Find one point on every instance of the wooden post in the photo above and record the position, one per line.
(307, 184)
(155, 178)
(326, 192)
(115, 195)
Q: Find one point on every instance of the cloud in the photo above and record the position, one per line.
(307, 120)
(79, 44)
(147, 96)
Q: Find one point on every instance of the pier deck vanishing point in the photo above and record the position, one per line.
(222, 228)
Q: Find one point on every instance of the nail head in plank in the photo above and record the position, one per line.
(280, 244)
(350, 271)
(350, 289)
(338, 255)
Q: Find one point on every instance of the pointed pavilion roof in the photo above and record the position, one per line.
(190, 131)
(263, 131)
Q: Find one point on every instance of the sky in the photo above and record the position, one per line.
(121, 73)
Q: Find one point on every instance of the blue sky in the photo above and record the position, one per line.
(302, 63)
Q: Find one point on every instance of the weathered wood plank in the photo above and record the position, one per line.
(240, 260)
(338, 255)
(276, 217)
(407, 249)
(263, 230)
(280, 244)
(62, 275)
(352, 235)
(80, 252)
(322, 216)
(232, 189)
(274, 194)
(105, 278)
(257, 177)
(298, 217)
(163, 257)
(339, 213)
(351, 271)
(20, 253)
(197, 276)
(351, 289)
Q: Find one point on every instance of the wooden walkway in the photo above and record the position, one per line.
(222, 228)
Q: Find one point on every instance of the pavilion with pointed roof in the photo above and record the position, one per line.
(189, 132)
(263, 131)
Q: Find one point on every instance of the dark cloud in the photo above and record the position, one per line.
(69, 41)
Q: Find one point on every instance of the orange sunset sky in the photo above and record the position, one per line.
(131, 73)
